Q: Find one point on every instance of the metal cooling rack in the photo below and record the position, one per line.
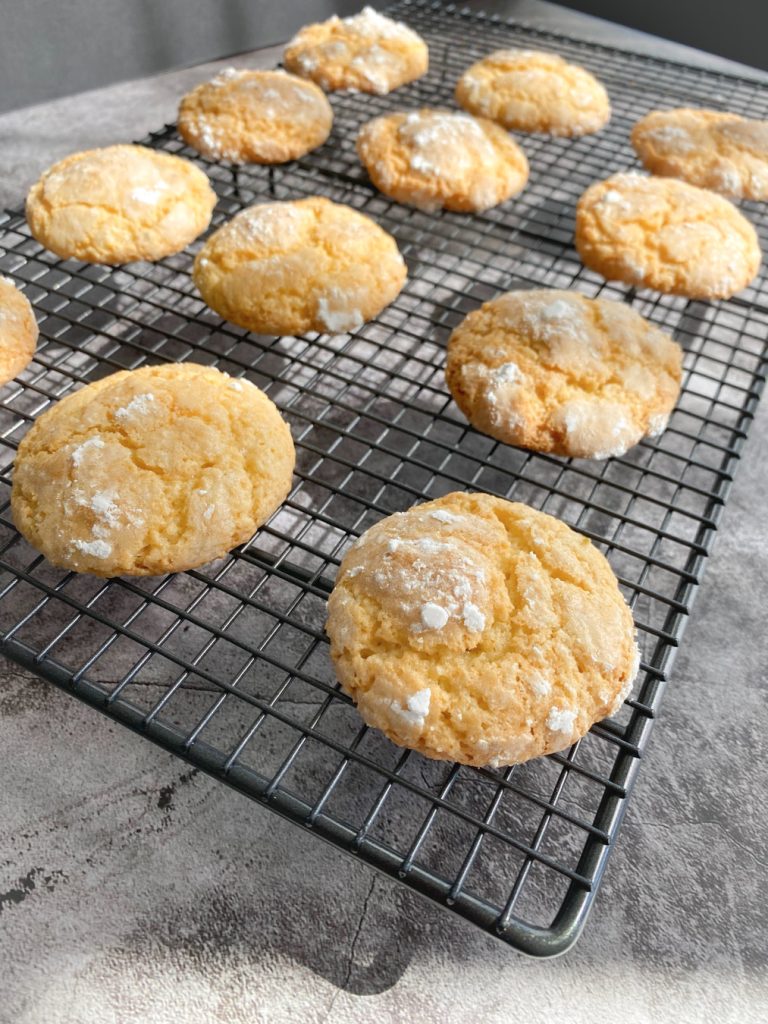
(228, 666)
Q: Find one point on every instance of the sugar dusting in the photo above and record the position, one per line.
(104, 511)
(474, 619)
(444, 516)
(268, 225)
(540, 685)
(139, 405)
(433, 616)
(416, 707)
(150, 196)
(561, 720)
(447, 145)
(671, 137)
(595, 429)
(336, 312)
(432, 580)
(79, 453)
(356, 42)
(657, 424)
(95, 548)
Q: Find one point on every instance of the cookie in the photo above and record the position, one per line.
(437, 159)
(665, 234)
(709, 148)
(532, 91)
(119, 204)
(293, 267)
(478, 630)
(367, 53)
(151, 471)
(258, 117)
(556, 372)
(18, 331)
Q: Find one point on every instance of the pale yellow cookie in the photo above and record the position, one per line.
(557, 372)
(18, 331)
(724, 152)
(151, 471)
(259, 117)
(119, 204)
(367, 52)
(437, 159)
(293, 267)
(665, 234)
(533, 91)
(478, 630)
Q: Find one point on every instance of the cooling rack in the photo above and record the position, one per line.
(228, 666)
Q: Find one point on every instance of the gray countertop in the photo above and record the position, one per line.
(133, 889)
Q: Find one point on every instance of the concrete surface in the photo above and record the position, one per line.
(134, 890)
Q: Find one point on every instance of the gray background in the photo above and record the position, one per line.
(51, 48)
(734, 28)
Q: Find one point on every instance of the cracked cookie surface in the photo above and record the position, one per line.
(367, 52)
(119, 204)
(151, 471)
(262, 117)
(297, 266)
(557, 372)
(709, 148)
(534, 91)
(437, 159)
(666, 234)
(479, 630)
(18, 331)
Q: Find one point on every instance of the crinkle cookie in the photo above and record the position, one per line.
(665, 234)
(119, 204)
(367, 52)
(557, 372)
(18, 331)
(259, 117)
(293, 267)
(533, 91)
(716, 150)
(437, 159)
(151, 471)
(477, 630)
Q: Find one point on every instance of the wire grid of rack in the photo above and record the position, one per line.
(228, 666)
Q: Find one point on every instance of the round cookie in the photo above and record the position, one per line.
(119, 204)
(437, 159)
(151, 471)
(18, 331)
(556, 372)
(259, 117)
(478, 630)
(293, 267)
(533, 91)
(724, 152)
(367, 53)
(665, 234)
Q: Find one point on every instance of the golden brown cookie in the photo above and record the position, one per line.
(478, 630)
(293, 267)
(533, 91)
(119, 204)
(442, 159)
(557, 372)
(151, 471)
(665, 234)
(367, 52)
(724, 152)
(18, 331)
(259, 117)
